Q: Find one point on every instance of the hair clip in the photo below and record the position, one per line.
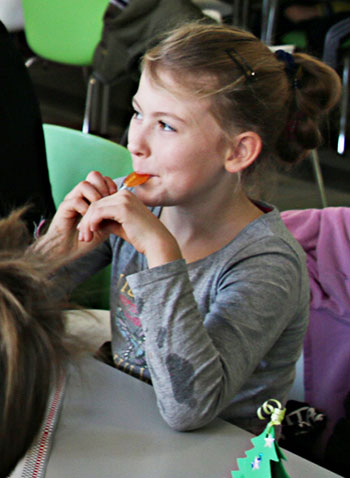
(292, 70)
(241, 62)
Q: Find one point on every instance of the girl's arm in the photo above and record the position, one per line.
(200, 358)
(237, 350)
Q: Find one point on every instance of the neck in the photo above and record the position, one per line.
(207, 228)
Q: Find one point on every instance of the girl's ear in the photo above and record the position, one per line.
(244, 149)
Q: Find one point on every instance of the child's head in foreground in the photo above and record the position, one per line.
(32, 349)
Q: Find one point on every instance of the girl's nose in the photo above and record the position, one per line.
(137, 142)
(134, 148)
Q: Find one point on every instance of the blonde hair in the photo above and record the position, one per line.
(249, 87)
(33, 352)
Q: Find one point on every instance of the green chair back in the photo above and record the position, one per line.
(297, 38)
(65, 31)
(71, 155)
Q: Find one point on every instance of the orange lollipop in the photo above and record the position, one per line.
(135, 179)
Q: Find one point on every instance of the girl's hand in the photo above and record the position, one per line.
(126, 216)
(62, 235)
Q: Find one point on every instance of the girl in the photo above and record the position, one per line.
(209, 292)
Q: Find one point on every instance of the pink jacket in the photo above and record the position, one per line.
(325, 236)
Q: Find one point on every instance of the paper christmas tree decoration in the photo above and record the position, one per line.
(264, 460)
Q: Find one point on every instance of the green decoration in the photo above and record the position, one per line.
(264, 460)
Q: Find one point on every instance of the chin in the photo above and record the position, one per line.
(150, 200)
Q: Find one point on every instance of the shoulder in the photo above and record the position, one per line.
(265, 236)
(262, 256)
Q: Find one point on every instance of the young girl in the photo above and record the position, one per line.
(209, 291)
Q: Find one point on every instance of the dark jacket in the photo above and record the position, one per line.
(23, 169)
(129, 32)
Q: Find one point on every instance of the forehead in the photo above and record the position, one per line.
(166, 92)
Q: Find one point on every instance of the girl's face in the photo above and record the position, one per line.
(178, 142)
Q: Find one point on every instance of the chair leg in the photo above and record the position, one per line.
(245, 14)
(106, 90)
(96, 113)
(318, 176)
(30, 61)
(269, 12)
(90, 104)
(344, 105)
(235, 12)
(240, 13)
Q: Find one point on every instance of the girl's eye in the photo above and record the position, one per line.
(137, 115)
(166, 126)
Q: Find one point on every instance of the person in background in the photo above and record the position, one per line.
(24, 177)
(299, 12)
(209, 290)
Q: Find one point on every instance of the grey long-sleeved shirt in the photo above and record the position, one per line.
(218, 336)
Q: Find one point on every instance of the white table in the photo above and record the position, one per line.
(110, 427)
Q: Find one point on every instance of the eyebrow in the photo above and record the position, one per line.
(159, 113)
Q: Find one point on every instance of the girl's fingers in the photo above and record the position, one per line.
(100, 217)
(91, 221)
(85, 236)
(117, 214)
(76, 205)
(84, 190)
(93, 188)
(112, 187)
(103, 184)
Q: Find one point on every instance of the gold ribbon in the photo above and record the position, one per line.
(276, 411)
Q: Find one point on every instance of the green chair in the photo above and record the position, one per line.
(71, 155)
(67, 32)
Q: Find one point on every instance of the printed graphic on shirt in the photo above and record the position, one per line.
(127, 322)
(139, 372)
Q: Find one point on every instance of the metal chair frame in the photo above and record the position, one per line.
(68, 32)
(336, 52)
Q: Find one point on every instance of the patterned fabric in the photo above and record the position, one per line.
(34, 463)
